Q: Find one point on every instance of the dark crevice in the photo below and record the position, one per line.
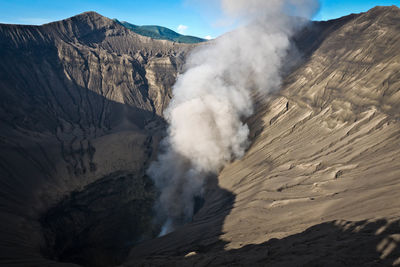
(98, 225)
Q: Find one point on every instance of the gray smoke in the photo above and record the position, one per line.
(213, 96)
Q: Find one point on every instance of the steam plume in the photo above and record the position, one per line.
(213, 96)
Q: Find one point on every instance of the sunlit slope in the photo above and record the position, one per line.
(328, 147)
(325, 148)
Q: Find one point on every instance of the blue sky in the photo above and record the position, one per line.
(337, 8)
(186, 15)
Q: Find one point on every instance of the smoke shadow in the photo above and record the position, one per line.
(335, 243)
(202, 234)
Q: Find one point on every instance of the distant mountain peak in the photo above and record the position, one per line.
(161, 33)
(90, 18)
(91, 15)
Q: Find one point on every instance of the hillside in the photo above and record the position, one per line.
(161, 33)
(81, 104)
(320, 184)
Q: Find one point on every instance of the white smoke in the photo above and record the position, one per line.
(213, 96)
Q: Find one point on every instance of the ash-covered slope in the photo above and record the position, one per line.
(81, 101)
(80, 106)
(324, 159)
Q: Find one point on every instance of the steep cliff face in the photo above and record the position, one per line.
(324, 159)
(80, 107)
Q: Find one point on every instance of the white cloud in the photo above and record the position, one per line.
(182, 29)
(33, 21)
(208, 37)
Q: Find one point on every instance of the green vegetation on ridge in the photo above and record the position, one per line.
(161, 33)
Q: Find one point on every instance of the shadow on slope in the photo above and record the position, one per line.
(98, 225)
(336, 243)
(72, 163)
(202, 234)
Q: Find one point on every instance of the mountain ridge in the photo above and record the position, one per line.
(159, 32)
(95, 21)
